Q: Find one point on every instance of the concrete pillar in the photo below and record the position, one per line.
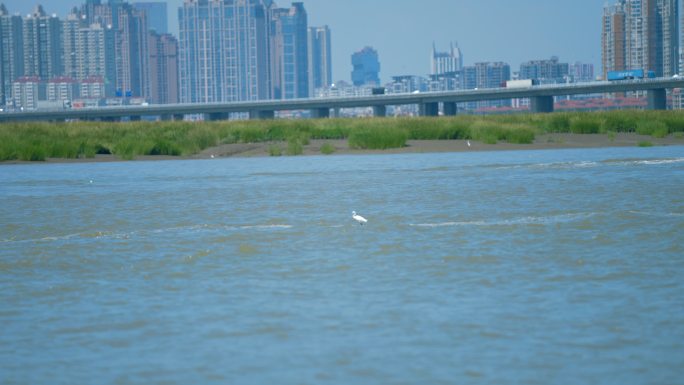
(320, 113)
(450, 108)
(541, 104)
(379, 111)
(429, 109)
(262, 114)
(336, 112)
(657, 99)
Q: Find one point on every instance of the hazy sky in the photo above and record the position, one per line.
(403, 31)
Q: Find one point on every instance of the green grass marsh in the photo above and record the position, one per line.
(37, 141)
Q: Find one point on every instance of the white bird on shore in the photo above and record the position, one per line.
(468, 142)
(359, 218)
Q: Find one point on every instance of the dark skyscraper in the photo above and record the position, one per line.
(366, 67)
(11, 52)
(163, 68)
(156, 15)
(289, 52)
(320, 58)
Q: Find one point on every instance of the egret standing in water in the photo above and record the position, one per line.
(359, 218)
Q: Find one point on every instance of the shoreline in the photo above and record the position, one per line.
(251, 150)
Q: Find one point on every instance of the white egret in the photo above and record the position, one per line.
(468, 142)
(359, 218)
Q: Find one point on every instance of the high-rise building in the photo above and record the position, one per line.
(320, 58)
(126, 52)
(545, 71)
(163, 68)
(84, 48)
(11, 52)
(446, 62)
(289, 52)
(156, 15)
(366, 67)
(26, 91)
(43, 49)
(651, 36)
(224, 50)
(613, 38)
(486, 75)
(582, 72)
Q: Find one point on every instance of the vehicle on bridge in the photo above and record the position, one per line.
(523, 83)
(630, 74)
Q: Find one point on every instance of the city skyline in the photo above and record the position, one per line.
(409, 29)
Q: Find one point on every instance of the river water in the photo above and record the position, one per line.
(528, 267)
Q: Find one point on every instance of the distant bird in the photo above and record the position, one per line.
(212, 156)
(468, 143)
(359, 218)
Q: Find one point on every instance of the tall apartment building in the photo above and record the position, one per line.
(224, 50)
(43, 49)
(582, 72)
(126, 61)
(289, 52)
(613, 38)
(641, 34)
(156, 15)
(11, 52)
(545, 71)
(320, 58)
(446, 62)
(85, 54)
(486, 75)
(163, 68)
(366, 67)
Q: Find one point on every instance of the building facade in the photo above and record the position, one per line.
(641, 34)
(366, 67)
(224, 51)
(163, 53)
(11, 53)
(156, 15)
(446, 62)
(289, 52)
(545, 71)
(320, 58)
(42, 45)
(613, 38)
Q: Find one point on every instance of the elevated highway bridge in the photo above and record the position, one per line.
(541, 101)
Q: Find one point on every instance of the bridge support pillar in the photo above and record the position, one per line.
(541, 104)
(262, 114)
(657, 99)
(450, 108)
(379, 111)
(429, 109)
(336, 112)
(320, 113)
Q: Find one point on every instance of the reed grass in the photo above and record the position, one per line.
(327, 149)
(36, 141)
